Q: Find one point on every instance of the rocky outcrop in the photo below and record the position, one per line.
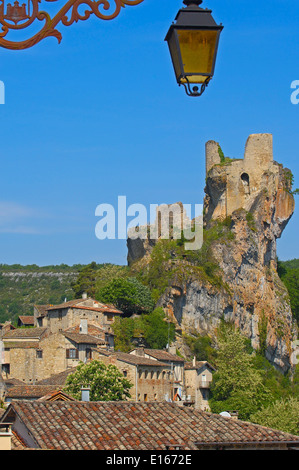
(252, 198)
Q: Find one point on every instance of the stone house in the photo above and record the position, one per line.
(64, 335)
(82, 330)
(175, 362)
(152, 380)
(198, 379)
(60, 317)
(5, 327)
(113, 426)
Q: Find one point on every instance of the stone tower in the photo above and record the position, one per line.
(235, 183)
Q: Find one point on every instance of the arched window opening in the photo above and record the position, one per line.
(246, 182)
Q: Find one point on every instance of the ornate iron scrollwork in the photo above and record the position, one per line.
(16, 16)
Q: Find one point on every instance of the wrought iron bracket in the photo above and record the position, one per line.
(15, 16)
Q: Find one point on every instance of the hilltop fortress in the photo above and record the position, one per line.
(252, 197)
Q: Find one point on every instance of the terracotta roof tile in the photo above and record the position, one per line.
(132, 426)
(25, 333)
(80, 338)
(27, 319)
(162, 355)
(29, 391)
(133, 359)
(98, 307)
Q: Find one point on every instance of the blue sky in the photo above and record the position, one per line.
(101, 115)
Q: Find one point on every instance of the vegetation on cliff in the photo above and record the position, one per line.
(247, 382)
(151, 330)
(128, 294)
(289, 273)
(169, 261)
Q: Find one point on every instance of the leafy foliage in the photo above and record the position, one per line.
(105, 381)
(237, 384)
(157, 332)
(129, 295)
(282, 414)
(201, 347)
(124, 330)
(152, 328)
(95, 276)
(289, 274)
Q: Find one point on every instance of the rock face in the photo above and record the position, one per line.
(253, 197)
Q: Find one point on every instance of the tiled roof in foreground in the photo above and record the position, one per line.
(133, 426)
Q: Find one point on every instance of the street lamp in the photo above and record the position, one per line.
(193, 44)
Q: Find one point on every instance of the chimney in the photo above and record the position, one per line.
(194, 361)
(85, 393)
(84, 296)
(83, 327)
(140, 352)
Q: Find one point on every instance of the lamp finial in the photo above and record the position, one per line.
(192, 2)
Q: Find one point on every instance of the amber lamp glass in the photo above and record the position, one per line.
(193, 43)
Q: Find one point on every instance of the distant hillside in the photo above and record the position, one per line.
(23, 286)
(290, 264)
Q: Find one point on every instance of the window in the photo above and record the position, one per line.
(6, 369)
(88, 353)
(72, 353)
(145, 397)
(125, 373)
(39, 354)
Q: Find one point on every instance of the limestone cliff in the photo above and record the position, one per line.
(252, 198)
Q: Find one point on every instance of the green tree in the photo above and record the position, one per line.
(282, 415)
(86, 281)
(237, 384)
(123, 329)
(157, 331)
(106, 382)
(290, 278)
(129, 295)
(201, 347)
(107, 272)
